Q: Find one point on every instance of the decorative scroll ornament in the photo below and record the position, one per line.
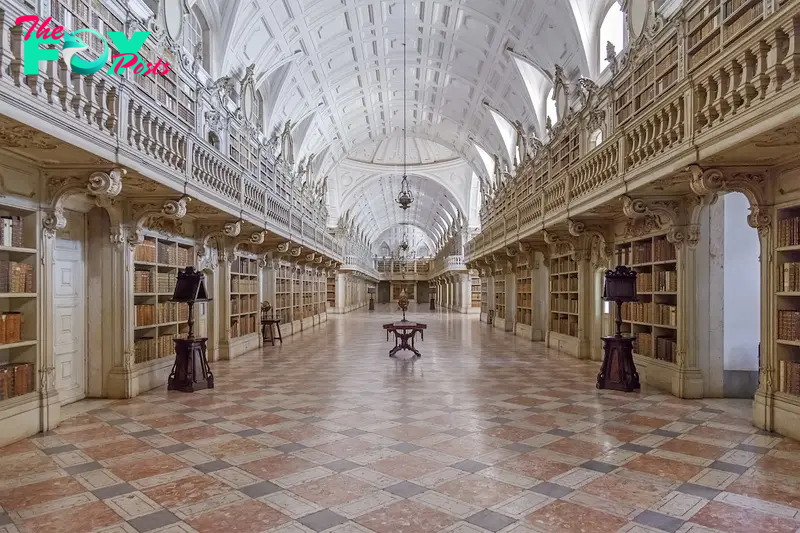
(101, 186)
(753, 185)
(232, 229)
(295, 252)
(145, 213)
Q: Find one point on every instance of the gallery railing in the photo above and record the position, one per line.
(712, 67)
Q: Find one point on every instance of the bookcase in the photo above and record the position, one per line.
(19, 305)
(282, 307)
(157, 320)
(564, 296)
(331, 291)
(524, 295)
(654, 75)
(477, 289)
(717, 23)
(653, 320)
(244, 295)
(308, 293)
(297, 297)
(787, 297)
(485, 296)
(500, 298)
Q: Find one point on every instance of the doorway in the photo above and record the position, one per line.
(741, 299)
(69, 309)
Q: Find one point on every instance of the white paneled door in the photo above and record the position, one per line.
(69, 320)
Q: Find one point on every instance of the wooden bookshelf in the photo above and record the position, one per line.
(477, 287)
(244, 296)
(500, 298)
(282, 307)
(653, 320)
(787, 263)
(19, 305)
(566, 152)
(564, 296)
(331, 291)
(157, 320)
(524, 295)
(716, 24)
(297, 295)
(485, 297)
(654, 75)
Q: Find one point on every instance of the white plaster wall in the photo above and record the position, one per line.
(710, 284)
(742, 287)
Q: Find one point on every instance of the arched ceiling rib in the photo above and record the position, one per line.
(373, 206)
(350, 60)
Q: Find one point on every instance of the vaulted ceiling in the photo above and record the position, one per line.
(336, 68)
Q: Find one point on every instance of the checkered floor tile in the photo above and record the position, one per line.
(485, 433)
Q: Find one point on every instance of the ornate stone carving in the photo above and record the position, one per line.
(232, 229)
(295, 252)
(25, 137)
(753, 185)
(144, 213)
(101, 186)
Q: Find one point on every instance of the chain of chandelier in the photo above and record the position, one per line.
(404, 197)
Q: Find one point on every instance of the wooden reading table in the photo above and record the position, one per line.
(405, 331)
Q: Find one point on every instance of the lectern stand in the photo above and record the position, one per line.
(190, 371)
(618, 371)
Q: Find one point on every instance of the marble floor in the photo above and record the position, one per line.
(485, 433)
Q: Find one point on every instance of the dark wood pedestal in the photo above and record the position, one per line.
(190, 371)
(371, 304)
(618, 371)
(433, 304)
(267, 326)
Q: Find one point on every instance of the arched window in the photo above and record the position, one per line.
(595, 139)
(552, 111)
(196, 33)
(612, 30)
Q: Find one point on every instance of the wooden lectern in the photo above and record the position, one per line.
(619, 371)
(190, 370)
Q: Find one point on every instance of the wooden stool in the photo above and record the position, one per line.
(266, 325)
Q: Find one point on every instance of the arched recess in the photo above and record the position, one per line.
(611, 29)
(197, 36)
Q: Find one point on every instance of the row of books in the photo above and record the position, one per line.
(789, 377)
(665, 347)
(650, 313)
(11, 232)
(169, 254)
(637, 312)
(165, 282)
(647, 252)
(659, 281)
(524, 316)
(789, 325)
(11, 327)
(165, 312)
(564, 326)
(142, 281)
(564, 305)
(563, 265)
(789, 231)
(242, 265)
(244, 284)
(244, 325)
(16, 379)
(165, 253)
(247, 304)
(789, 277)
(564, 284)
(150, 348)
(16, 277)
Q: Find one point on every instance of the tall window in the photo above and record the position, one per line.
(612, 30)
(196, 32)
(552, 112)
(595, 139)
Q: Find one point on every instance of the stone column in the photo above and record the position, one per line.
(465, 288)
(226, 258)
(341, 293)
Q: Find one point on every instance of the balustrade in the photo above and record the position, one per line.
(733, 74)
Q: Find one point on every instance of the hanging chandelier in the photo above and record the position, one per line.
(404, 242)
(405, 198)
